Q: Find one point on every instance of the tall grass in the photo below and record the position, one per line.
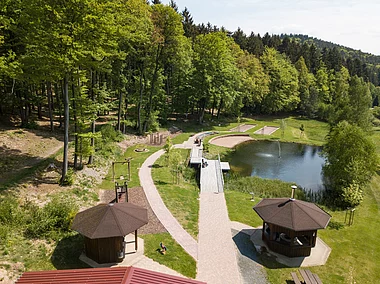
(263, 188)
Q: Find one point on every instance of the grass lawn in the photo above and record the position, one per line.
(182, 198)
(138, 159)
(355, 254)
(240, 208)
(314, 131)
(175, 258)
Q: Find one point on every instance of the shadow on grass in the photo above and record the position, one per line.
(27, 173)
(160, 182)
(155, 166)
(67, 252)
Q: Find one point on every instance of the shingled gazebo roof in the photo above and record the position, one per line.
(293, 214)
(110, 220)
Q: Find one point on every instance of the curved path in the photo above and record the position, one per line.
(217, 263)
(162, 212)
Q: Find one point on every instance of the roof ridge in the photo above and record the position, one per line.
(128, 275)
(116, 219)
(100, 221)
(311, 217)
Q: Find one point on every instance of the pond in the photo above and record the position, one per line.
(289, 162)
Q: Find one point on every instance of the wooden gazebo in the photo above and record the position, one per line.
(104, 228)
(290, 226)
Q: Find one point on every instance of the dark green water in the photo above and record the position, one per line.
(301, 164)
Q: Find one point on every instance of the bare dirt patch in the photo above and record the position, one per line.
(230, 141)
(22, 148)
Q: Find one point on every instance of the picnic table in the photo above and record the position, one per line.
(308, 277)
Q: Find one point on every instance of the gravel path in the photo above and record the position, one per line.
(250, 270)
(217, 262)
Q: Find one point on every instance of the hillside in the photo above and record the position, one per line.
(344, 50)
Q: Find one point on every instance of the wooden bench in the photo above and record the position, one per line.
(295, 278)
(309, 277)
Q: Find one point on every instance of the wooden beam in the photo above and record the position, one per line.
(306, 277)
(136, 240)
(295, 278)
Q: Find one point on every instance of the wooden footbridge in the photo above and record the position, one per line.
(211, 171)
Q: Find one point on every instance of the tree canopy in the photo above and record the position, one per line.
(76, 60)
(351, 161)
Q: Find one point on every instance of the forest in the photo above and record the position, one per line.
(76, 60)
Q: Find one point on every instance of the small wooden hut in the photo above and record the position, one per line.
(104, 228)
(290, 226)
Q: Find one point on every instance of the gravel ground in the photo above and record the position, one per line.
(230, 141)
(137, 196)
(248, 260)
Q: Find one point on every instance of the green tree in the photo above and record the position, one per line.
(305, 81)
(254, 81)
(214, 80)
(283, 87)
(340, 106)
(351, 161)
(175, 164)
(166, 43)
(360, 101)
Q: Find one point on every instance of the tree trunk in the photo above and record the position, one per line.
(58, 94)
(66, 135)
(213, 107)
(119, 110)
(152, 88)
(219, 108)
(93, 126)
(24, 108)
(76, 144)
(39, 104)
(50, 105)
(139, 125)
(202, 110)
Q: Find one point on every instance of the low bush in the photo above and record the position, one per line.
(69, 178)
(109, 133)
(54, 218)
(264, 188)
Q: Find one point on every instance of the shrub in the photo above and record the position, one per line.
(9, 212)
(3, 234)
(54, 218)
(69, 178)
(109, 134)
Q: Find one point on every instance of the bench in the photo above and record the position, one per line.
(295, 278)
(309, 277)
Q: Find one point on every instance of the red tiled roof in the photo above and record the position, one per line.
(114, 275)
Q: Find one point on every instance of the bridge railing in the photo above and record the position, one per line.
(219, 175)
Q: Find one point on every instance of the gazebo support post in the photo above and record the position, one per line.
(136, 240)
(263, 231)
